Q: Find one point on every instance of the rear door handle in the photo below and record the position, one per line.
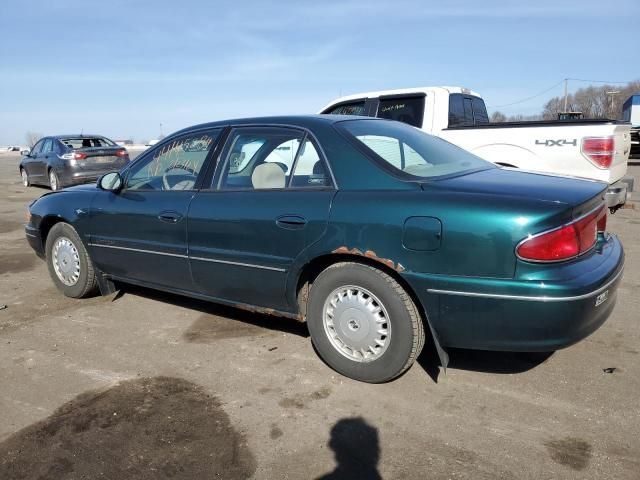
(291, 222)
(170, 217)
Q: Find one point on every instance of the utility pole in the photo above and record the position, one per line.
(161, 135)
(566, 81)
(611, 94)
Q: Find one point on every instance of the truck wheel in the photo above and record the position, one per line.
(25, 177)
(54, 181)
(69, 264)
(363, 323)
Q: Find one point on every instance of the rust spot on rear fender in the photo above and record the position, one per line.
(372, 255)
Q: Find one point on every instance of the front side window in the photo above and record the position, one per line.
(47, 146)
(407, 109)
(354, 108)
(271, 158)
(174, 165)
(410, 151)
(37, 147)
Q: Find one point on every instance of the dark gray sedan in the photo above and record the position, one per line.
(62, 160)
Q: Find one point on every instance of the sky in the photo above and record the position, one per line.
(123, 68)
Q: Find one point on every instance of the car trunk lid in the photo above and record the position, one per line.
(100, 158)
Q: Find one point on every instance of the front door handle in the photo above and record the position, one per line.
(170, 217)
(291, 222)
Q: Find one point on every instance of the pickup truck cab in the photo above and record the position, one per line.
(588, 148)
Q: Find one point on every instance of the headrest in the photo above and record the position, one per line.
(268, 175)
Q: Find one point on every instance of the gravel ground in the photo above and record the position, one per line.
(150, 385)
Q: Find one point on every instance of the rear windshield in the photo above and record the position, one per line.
(411, 151)
(87, 142)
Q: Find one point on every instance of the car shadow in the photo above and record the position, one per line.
(481, 361)
(255, 319)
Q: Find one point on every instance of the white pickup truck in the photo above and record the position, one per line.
(593, 149)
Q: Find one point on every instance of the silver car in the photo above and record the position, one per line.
(63, 160)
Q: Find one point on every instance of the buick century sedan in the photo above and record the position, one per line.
(370, 230)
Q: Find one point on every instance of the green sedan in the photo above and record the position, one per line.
(370, 231)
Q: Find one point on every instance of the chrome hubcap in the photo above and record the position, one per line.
(356, 323)
(25, 178)
(66, 261)
(53, 181)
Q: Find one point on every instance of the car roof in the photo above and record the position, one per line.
(305, 121)
(73, 135)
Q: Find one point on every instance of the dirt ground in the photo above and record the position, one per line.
(150, 385)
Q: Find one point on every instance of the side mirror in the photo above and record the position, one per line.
(111, 182)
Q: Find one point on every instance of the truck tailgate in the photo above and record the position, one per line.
(622, 136)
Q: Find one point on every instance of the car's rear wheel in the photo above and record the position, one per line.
(363, 323)
(54, 180)
(69, 264)
(25, 177)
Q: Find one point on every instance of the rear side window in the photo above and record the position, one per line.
(466, 110)
(353, 108)
(408, 110)
(410, 151)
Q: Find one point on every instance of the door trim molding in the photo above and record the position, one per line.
(179, 255)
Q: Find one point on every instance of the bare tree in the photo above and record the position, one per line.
(32, 138)
(604, 101)
(498, 117)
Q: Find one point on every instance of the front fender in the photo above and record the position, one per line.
(71, 206)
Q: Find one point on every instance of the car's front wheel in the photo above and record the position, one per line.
(69, 264)
(25, 177)
(54, 180)
(363, 323)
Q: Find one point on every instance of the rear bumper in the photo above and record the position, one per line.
(618, 193)
(523, 315)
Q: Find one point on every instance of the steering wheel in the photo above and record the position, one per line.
(182, 184)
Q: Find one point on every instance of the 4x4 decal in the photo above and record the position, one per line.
(557, 143)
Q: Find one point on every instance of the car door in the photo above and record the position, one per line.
(270, 200)
(29, 162)
(41, 162)
(140, 232)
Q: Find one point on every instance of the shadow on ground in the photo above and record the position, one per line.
(480, 361)
(220, 321)
(149, 428)
(356, 449)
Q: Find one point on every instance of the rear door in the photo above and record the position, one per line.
(43, 159)
(140, 232)
(269, 201)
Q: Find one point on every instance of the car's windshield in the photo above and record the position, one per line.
(410, 150)
(87, 142)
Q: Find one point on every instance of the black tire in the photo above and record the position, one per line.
(86, 281)
(25, 177)
(54, 180)
(406, 334)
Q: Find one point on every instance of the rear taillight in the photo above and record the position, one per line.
(565, 242)
(599, 150)
(122, 153)
(79, 156)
